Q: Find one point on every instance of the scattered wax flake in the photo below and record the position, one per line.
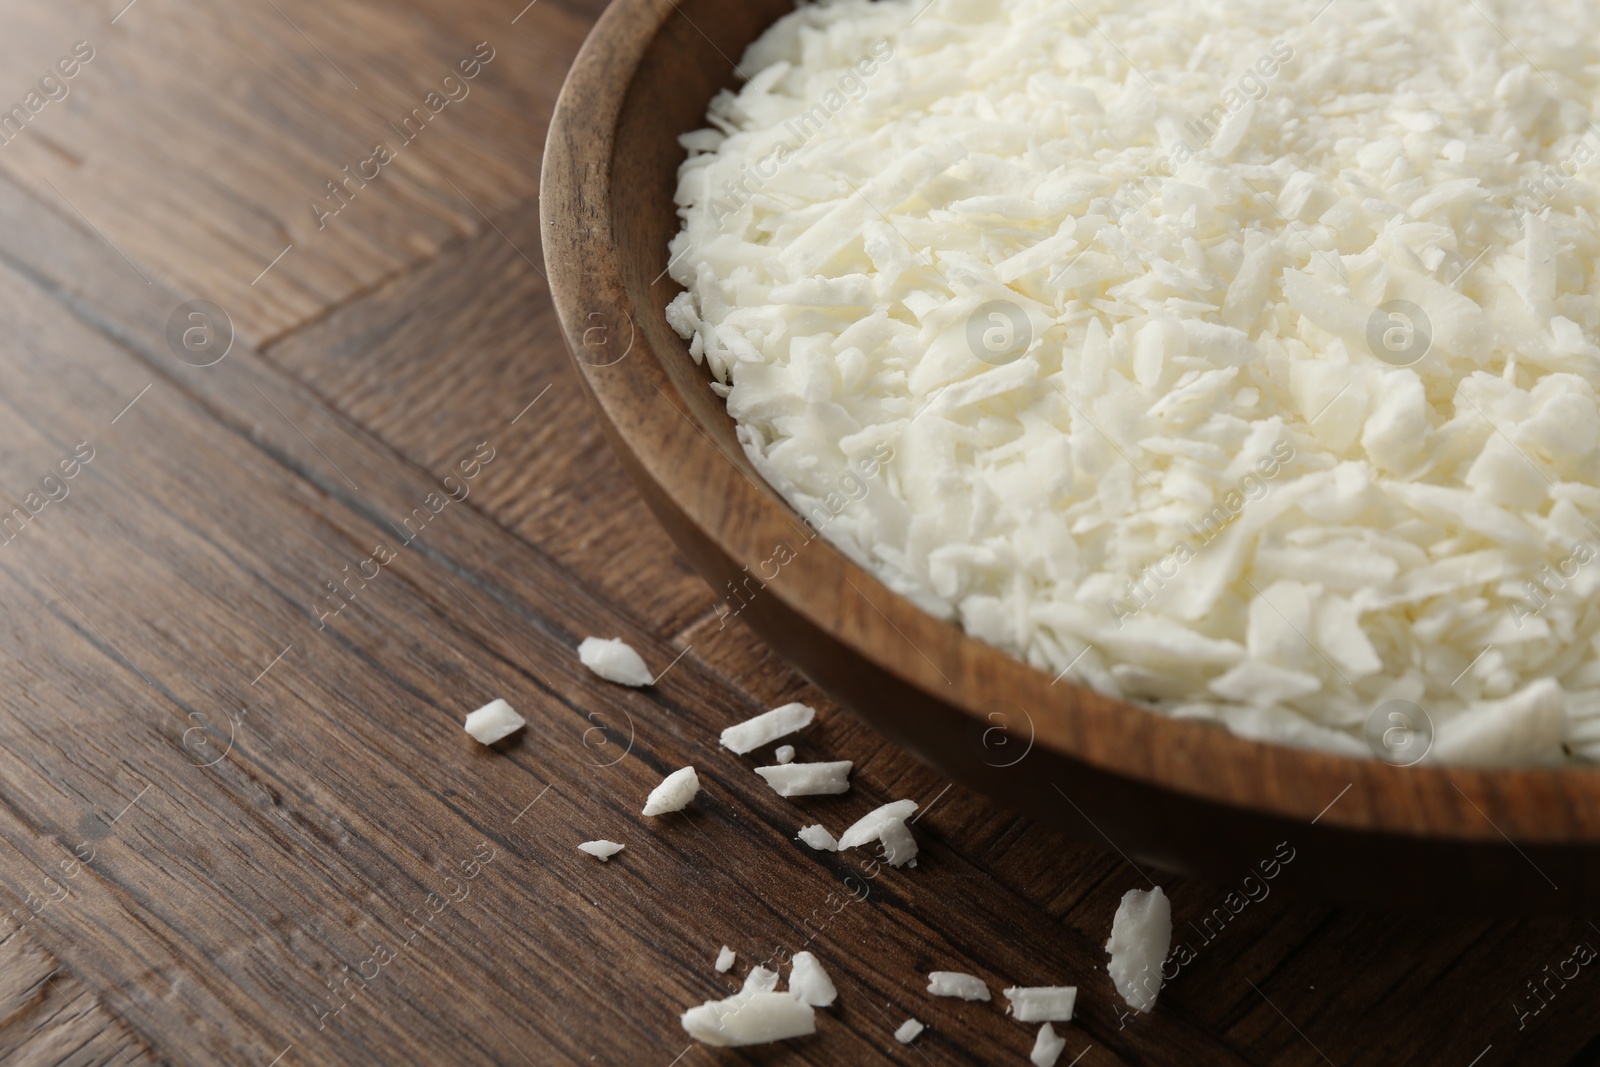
(897, 845)
(494, 721)
(807, 779)
(675, 791)
(1047, 1047)
(750, 1019)
(818, 838)
(956, 984)
(767, 727)
(1141, 934)
(809, 982)
(760, 980)
(614, 660)
(1045, 1003)
(869, 826)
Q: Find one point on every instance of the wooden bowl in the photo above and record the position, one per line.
(1182, 796)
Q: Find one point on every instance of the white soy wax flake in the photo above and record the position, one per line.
(601, 850)
(760, 980)
(725, 959)
(1039, 1004)
(1047, 1047)
(870, 826)
(908, 1031)
(897, 845)
(1141, 934)
(784, 754)
(887, 826)
(807, 779)
(493, 722)
(614, 660)
(809, 982)
(767, 727)
(750, 1019)
(674, 792)
(818, 838)
(956, 984)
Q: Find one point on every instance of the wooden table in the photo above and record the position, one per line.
(243, 823)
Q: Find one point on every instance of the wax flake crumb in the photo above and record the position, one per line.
(760, 980)
(908, 1031)
(1141, 934)
(818, 838)
(767, 727)
(494, 721)
(869, 826)
(725, 959)
(809, 982)
(784, 754)
(614, 660)
(898, 846)
(887, 826)
(956, 984)
(601, 850)
(750, 1018)
(674, 792)
(807, 779)
(1045, 1003)
(1047, 1047)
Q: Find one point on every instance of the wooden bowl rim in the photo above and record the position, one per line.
(1559, 805)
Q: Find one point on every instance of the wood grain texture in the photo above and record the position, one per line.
(473, 331)
(198, 135)
(207, 844)
(47, 1017)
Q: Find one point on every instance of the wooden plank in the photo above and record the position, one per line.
(425, 361)
(196, 137)
(48, 1018)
